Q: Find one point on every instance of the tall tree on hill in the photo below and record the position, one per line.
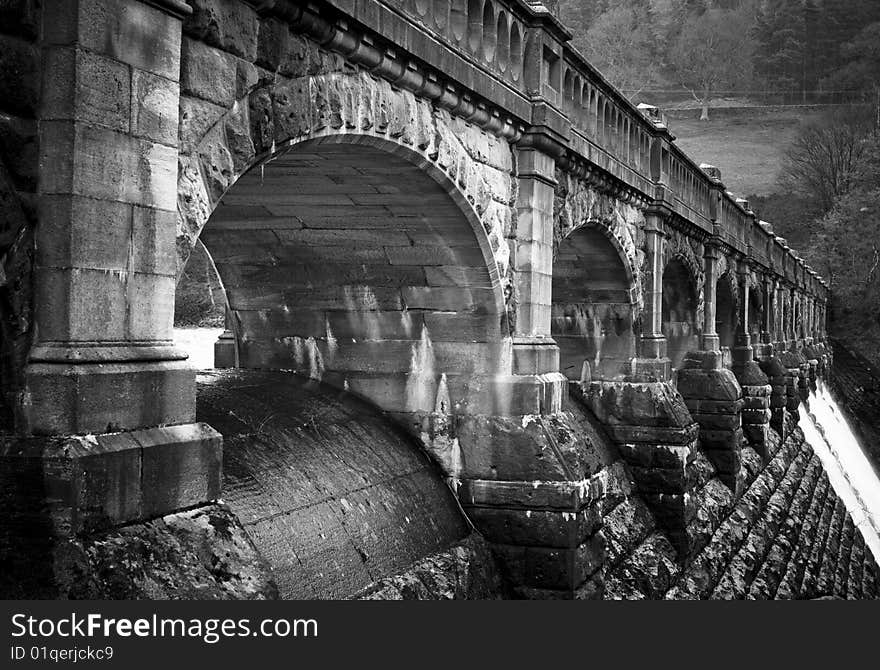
(712, 51)
(862, 69)
(781, 50)
(620, 43)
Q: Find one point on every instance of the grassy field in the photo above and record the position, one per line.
(747, 146)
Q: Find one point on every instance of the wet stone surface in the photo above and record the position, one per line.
(332, 494)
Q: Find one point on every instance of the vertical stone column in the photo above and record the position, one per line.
(753, 382)
(652, 362)
(767, 320)
(534, 350)
(790, 357)
(710, 340)
(103, 360)
(521, 470)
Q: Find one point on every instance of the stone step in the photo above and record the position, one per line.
(738, 577)
(857, 567)
(777, 559)
(841, 573)
(823, 528)
(827, 564)
(790, 584)
(703, 574)
(870, 577)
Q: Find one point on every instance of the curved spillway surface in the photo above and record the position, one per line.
(333, 495)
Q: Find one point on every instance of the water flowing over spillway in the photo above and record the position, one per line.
(852, 475)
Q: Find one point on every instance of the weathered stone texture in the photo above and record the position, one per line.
(199, 554)
(788, 536)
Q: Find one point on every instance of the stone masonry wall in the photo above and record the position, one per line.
(788, 536)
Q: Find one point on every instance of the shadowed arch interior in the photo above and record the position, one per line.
(756, 313)
(592, 312)
(679, 317)
(725, 311)
(350, 264)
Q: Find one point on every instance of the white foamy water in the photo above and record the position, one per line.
(199, 344)
(852, 475)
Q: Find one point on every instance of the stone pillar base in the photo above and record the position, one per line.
(651, 369)
(658, 438)
(527, 484)
(64, 486)
(756, 391)
(547, 534)
(535, 356)
(777, 374)
(714, 398)
(224, 351)
(104, 397)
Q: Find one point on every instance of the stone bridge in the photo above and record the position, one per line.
(438, 206)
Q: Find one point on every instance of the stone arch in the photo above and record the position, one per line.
(726, 309)
(594, 313)
(489, 35)
(359, 248)
(502, 34)
(679, 317)
(516, 51)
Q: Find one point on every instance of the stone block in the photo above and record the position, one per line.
(660, 480)
(635, 404)
(227, 24)
(154, 107)
(83, 86)
(708, 384)
(725, 440)
(207, 73)
(534, 527)
(717, 422)
(85, 233)
(561, 496)
(181, 467)
(129, 31)
(116, 167)
(657, 455)
(89, 483)
(107, 397)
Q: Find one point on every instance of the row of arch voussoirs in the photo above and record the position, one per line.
(490, 33)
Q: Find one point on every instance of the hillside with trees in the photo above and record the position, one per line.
(772, 51)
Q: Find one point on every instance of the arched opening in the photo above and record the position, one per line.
(423, 7)
(503, 35)
(568, 87)
(346, 266)
(458, 18)
(679, 315)
(347, 263)
(592, 311)
(488, 33)
(475, 24)
(725, 311)
(516, 52)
